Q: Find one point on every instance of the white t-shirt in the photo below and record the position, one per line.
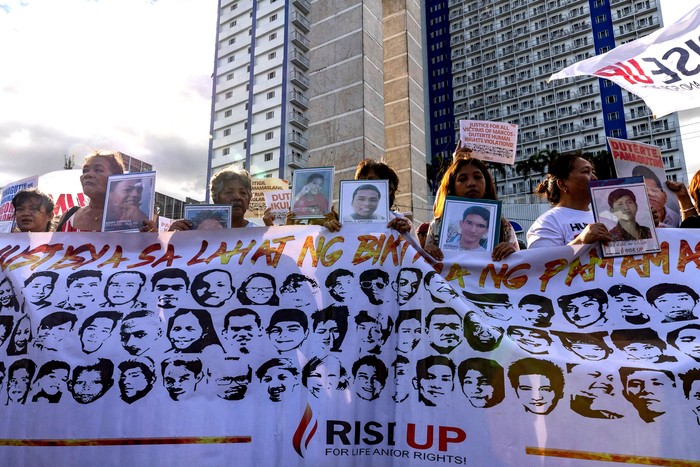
(557, 227)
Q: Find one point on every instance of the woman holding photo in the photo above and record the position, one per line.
(570, 221)
(468, 178)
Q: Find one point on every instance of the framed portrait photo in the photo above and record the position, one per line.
(470, 224)
(311, 192)
(130, 200)
(623, 206)
(364, 201)
(208, 216)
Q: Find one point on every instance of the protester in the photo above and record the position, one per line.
(232, 187)
(657, 197)
(570, 221)
(369, 169)
(98, 166)
(468, 178)
(686, 197)
(33, 211)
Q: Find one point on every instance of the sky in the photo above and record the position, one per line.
(130, 75)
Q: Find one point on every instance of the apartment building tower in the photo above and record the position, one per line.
(260, 87)
(491, 59)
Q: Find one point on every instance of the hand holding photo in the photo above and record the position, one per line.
(208, 216)
(312, 192)
(470, 224)
(130, 198)
(364, 201)
(622, 205)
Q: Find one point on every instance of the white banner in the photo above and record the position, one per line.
(296, 346)
(661, 68)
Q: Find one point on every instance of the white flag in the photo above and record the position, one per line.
(662, 68)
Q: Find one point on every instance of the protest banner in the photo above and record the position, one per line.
(489, 141)
(661, 68)
(62, 186)
(635, 159)
(299, 347)
(279, 202)
(256, 209)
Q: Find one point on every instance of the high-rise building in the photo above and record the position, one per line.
(491, 59)
(304, 84)
(260, 88)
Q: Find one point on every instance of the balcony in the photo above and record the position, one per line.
(299, 120)
(300, 40)
(299, 99)
(298, 141)
(303, 5)
(297, 161)
(300, 60)
(300, 21)
(298, 78)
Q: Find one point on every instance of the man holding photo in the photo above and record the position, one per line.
(623, 205)
(473, 226)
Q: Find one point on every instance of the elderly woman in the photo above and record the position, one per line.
(98, 166)
(33, 211)
(570, 221)
(234, 188)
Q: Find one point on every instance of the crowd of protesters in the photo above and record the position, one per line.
(566, 187)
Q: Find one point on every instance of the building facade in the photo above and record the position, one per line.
(260, 87)
(500, 56)
(302, 83)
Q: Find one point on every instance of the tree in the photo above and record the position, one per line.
(535, 164)
(602, 163)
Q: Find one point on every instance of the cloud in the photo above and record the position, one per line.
(132, 76)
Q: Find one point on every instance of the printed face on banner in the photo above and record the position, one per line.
(403, 378)
(38, 288)
(170, 290)
(339, 284)
(594, 395)
(532, 341)
(181, 377)
(280, 378)
(135, 381)
(408, 335)
(82, 290)
(327, 376)
(584, 309)
(212, 288)
(231, 379)
(52, 384)
(94, 335)
(444, 330)
(406, 284)
(479, 389)
(140, 332)
(89, 383)
(368, 381)
(241, 329)
(648, 391)
(435, 385)
(123, 288)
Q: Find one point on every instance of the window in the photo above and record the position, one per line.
(601, 18)
(246, 106)
(616, 133)
(232, 24)
(247, 68)
(234, 6)
(248, 50)
(270, 95)
(272, 36)
(273, 18)
(227, 132)
(603, 50)
(271, 74)
(229, 77)
(270, 115)
(228, 113)
(603, 34)
(247, 86)
(245, 144)
(271, 55)
(232, 41)
(269, 135)
(611, 99)
(268, 176)
(226, 151)
(245, 125)
(613, 116)
(231, 58)
(268, 156)
(229, 94)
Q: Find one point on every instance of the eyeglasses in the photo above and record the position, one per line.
(369, 284)
(262, 289)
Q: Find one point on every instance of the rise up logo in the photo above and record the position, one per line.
(305, 431)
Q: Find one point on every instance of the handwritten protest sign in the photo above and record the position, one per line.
(489, 141)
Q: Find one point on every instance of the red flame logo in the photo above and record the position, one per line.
(299, 442)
